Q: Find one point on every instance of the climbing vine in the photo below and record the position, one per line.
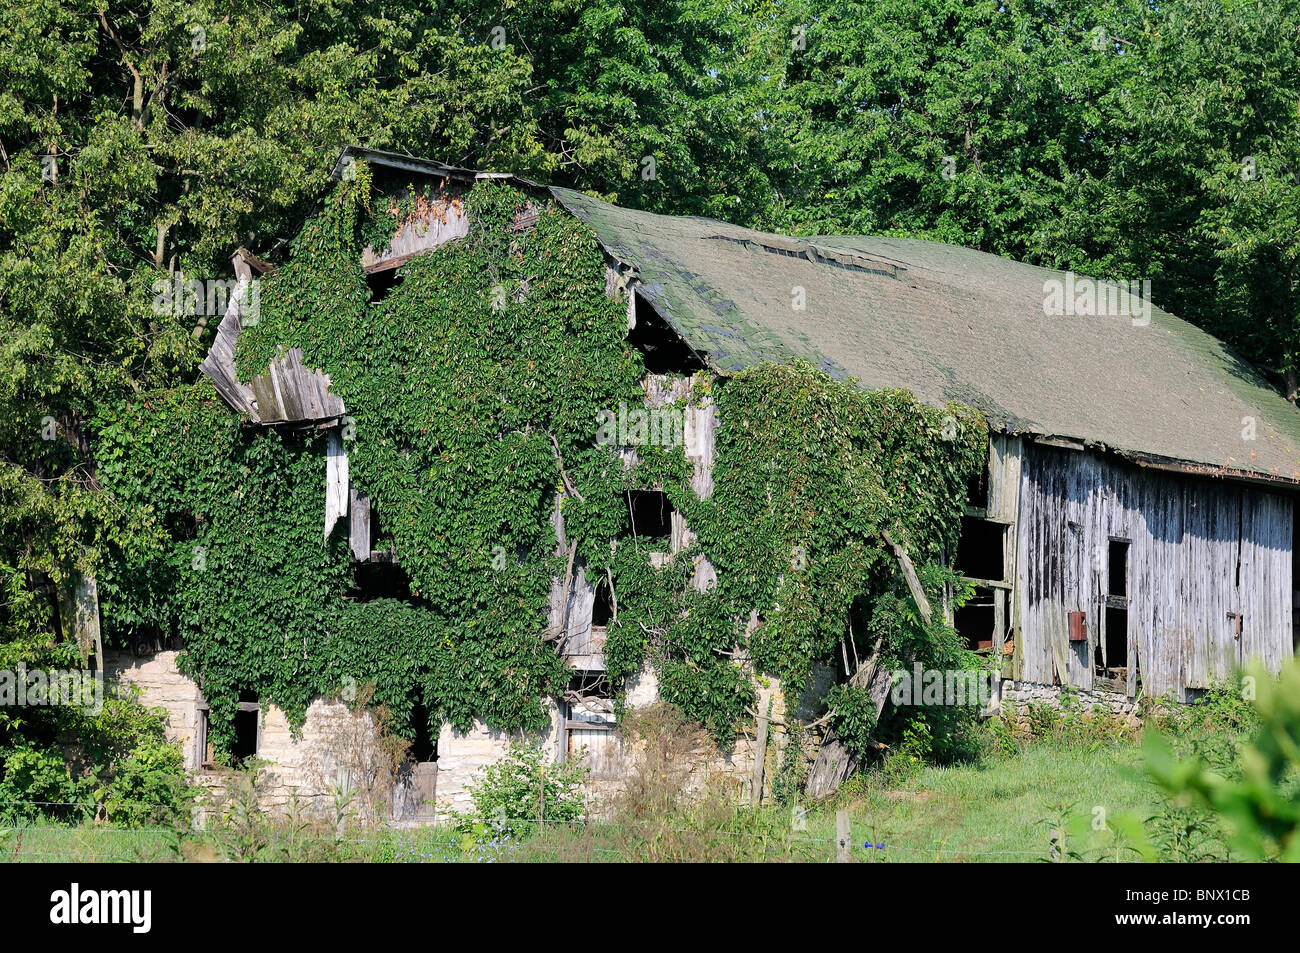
(809, 473)
(473, 390)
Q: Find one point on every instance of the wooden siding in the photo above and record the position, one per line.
(1199, 549)
(435, 222)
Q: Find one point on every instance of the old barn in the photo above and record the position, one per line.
(1133, 531)
(1135, 528)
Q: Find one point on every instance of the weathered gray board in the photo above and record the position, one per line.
(1199, 550)
(439, 220)
(359, 524)
(288, 392)
(79, 615)
(219, 364)
(415, 792)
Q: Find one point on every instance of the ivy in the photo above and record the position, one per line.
(474, 389)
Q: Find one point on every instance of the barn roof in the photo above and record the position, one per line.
(947, 323)
(950, 323)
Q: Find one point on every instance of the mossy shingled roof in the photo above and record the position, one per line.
(950, 323)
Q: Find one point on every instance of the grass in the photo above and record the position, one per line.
(50, 842)
(1001, 809)
(1010, 805)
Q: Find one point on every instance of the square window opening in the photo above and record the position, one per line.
(981, 549)
(650, 513)
(975, 620)
(382, 283)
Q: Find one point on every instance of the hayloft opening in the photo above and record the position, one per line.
(1110, 657)
(975, 620)
(981, 549)
(382, 283)
(662, 348)
(602, 610)
(1117, 568)
(247, 718)
(651, 513)
(1295, 574)
(380, 579)
(424, 746)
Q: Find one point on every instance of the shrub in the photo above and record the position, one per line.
(36, 782)
(1257, 803)
(524, 789)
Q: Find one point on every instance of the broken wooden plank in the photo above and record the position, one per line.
(336, 481)
(909, 574)
(359, 525)
(760, 756)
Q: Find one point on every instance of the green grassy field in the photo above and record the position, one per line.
(1002, 808)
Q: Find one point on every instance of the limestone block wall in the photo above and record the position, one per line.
(462, 756)
(161, 685)
(336, 750)
(1016, 697)
(337, 747)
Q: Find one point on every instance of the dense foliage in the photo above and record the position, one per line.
(468, 408)
(149, 140)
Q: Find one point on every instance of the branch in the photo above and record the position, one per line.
(568, 484)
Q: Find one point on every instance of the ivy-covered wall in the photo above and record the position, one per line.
(476, 386)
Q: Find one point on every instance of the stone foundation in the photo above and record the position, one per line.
(1016, 697)
(337, 748)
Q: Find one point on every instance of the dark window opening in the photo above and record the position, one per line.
(1117, 570)
(662, 348)
(1113, 664)
(650, 513)
(246, 723)
(590, 685)
(1295, 574)
(149, 640)
(1295, 543)
(380, 580)
(980, 550)
(975, 620)
(424, 746)
(977, 489)
(380, 540)
(602, 610)
(382, 283)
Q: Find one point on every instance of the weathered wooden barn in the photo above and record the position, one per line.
(1133, 532)
(1135, 528)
